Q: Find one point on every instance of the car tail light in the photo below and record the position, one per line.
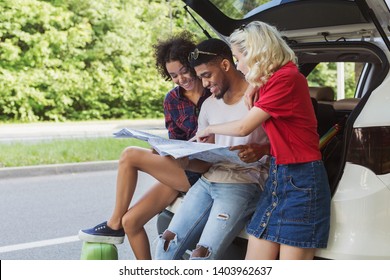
(370, 147)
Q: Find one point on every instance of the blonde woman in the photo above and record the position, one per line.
(292, 218)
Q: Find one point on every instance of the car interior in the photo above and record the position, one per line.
(329, 110)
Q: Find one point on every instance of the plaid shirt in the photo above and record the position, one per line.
(181, 115)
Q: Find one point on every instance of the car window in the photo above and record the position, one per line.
(237, 9)
(342, 77)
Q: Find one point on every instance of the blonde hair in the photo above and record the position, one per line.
(264, 50)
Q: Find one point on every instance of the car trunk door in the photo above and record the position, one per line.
(303, 21)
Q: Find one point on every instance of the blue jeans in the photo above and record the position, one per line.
(211, 215)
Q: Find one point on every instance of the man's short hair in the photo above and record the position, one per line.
(210, 50)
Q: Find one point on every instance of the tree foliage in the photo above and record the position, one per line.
(83, 60)
(91, 59)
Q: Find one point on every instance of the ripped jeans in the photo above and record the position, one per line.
(211, 216)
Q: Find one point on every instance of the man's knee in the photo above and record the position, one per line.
(168, 237)
(201, 252)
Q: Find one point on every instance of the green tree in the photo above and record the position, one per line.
(83, 60)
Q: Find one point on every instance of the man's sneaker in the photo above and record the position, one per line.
(102, 234)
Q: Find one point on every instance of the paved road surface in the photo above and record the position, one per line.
(43, 131)
(41, 216)
(43, 207)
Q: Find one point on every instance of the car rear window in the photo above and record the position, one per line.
(237, 9)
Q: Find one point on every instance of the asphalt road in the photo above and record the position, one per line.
(87, 129)
(41, 215)
(42, 208)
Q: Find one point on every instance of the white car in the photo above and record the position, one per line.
(357, 158)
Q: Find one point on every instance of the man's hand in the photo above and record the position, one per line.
(251, 152)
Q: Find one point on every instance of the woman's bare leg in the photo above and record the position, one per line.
(134, 159)
(261, 249)
(294, 253)
(150, 204)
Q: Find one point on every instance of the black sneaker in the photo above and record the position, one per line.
(102, 234)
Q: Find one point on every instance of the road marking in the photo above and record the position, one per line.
(37, 244)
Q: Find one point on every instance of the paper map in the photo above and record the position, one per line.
(178, 148)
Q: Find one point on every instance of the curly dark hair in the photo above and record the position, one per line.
(175, 48)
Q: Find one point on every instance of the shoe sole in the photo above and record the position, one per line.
(100, 239)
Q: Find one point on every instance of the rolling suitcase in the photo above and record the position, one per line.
(99, 251)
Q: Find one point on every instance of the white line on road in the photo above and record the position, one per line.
(37, 244)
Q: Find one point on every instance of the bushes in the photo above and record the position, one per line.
(82, 60)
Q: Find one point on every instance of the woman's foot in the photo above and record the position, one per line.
(102, 233)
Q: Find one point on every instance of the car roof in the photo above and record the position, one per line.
(298, 17)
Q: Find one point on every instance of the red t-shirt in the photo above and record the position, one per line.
(292, 127)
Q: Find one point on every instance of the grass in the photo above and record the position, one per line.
(64, 151)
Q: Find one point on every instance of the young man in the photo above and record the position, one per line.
(219, 205)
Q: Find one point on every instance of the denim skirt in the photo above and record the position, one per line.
(294, 208)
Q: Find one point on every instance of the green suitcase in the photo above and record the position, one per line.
(99, 251)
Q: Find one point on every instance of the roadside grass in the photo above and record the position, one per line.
(64, 151)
